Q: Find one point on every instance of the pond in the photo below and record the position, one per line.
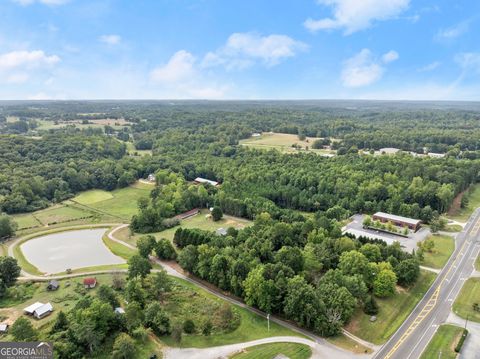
(54, 253)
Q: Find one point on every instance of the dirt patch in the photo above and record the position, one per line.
(456, 204)
(454, 343)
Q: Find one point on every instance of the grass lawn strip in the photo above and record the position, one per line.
(271, 350)
(392, 311)
(351, 345)
(444, 340)
(463, 305)
(443, 249)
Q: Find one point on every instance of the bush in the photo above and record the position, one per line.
(217, 214)
(189, 326)
(370, 306)
(207, 328)
(164, 249)
(461, 341)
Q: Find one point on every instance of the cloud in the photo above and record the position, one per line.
(44, 2)
(245, 49)
(453, 32)
(182, 78)
(178, 68)
(355, 15)
(26, 59)
(390, 56)
(363, 69)
(40, 96)
(469, 61)
(430, 67)
(110, 39)
(17, 78)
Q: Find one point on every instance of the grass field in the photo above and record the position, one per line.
(270, 351)
(197, 221)
(463, 305)
(133, 151)
(61, 299)
(477, 263)
(26, 220)
(444, 341)
(444, 247)
(392, 312)
(462, 214)
(282, 142)
(351, 345)
(61, 213)
(194, 303)
(121, 203)
(453, 228)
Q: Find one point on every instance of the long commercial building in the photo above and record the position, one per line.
(413, 224)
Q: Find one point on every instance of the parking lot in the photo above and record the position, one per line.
(355, 227)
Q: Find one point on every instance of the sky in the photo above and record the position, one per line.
(240, 49)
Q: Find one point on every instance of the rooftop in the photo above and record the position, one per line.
(394, 217)
(31, 308)
(44, 309)
(204, 180)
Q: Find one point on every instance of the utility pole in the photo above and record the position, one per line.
(466, 322)
(440, 355)
(268, 321)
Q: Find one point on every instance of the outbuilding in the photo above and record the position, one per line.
(119, 310)
(53, 285)
(43, 311)
(200, 180)
(89, 283)
(32, 308)
(3, 328)
(221, 232)
(412, 224)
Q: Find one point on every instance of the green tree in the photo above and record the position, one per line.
(138, 266)
(123, 347)
(106, 294)
(145, 245)
(61, 323)
(164, 249)
(134, 316)
(9, 270)
(371, 251)
(157, 284)
(370, 306)
(384, 283)
(217, 213)
(157, 319)
(22, 330)
(407, 272)
(7, 226)
(189, 326)
(353, 262)
(134, 291)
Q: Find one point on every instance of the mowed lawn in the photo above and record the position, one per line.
(462, 214)
(26, 220)
(198, 221)
(444, 340)
(443, 249)
(392, 311)
(282, 142)
(61, 213)
(121, 202)
(470, 293)
(270, 351)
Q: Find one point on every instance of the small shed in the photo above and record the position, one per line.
(43, 311)
(119, 310)
(32, 308)
(53, 285)
(3, 328)
(151, 177)
(89, 283)
(221, 232)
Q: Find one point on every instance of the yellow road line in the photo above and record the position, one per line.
(432, 302)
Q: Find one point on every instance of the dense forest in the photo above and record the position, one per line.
(294, 260)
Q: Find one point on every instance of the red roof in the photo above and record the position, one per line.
(89, 281)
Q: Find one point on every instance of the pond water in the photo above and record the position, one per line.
(56, 252)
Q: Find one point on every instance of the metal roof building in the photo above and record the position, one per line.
(413, 224)
(204, 180)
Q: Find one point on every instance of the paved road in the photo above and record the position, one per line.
(225, 350)
(415, 333)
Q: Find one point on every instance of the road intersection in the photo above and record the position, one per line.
(413, 336)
